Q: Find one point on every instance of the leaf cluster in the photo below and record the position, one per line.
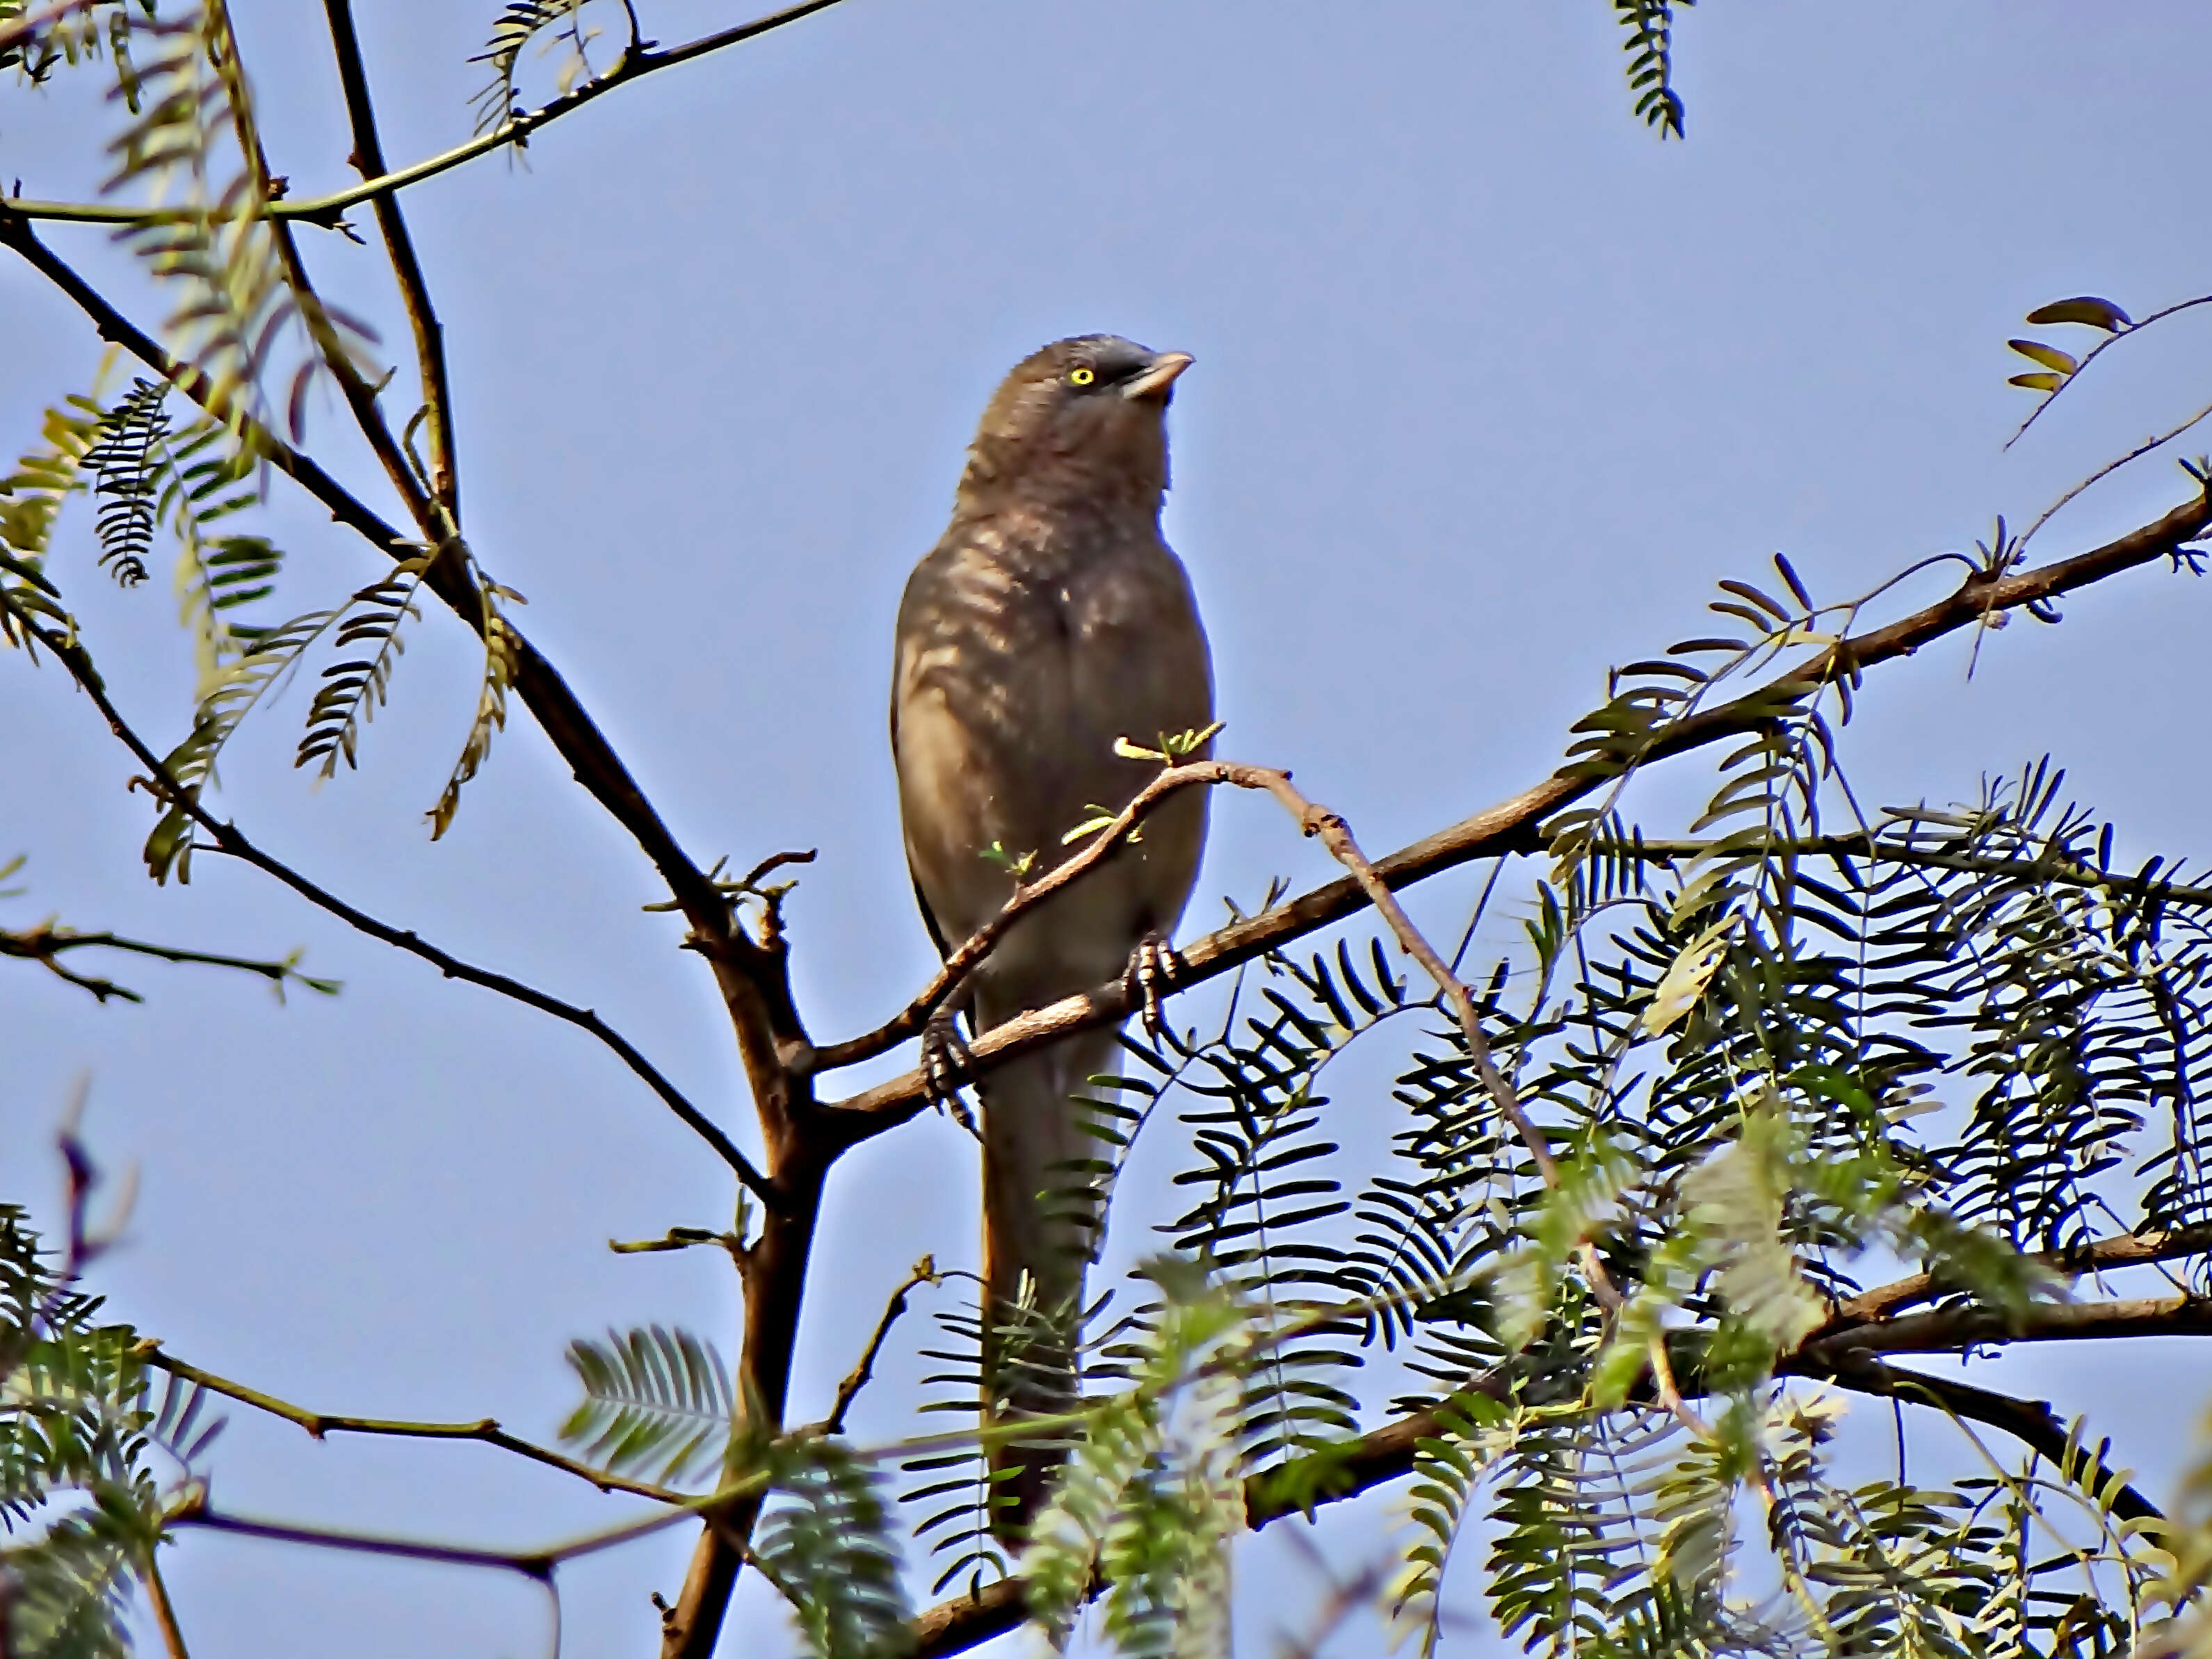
(91, 1455)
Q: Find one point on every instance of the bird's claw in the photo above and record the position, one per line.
(1154, 967)
(943, 1065)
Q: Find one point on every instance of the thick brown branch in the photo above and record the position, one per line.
(2031, 1422)
(1953, 1330)
(320, 1424)
(1514, 825)
(2126, 1250)
(228, 839)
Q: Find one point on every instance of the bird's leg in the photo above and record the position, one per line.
(944, 1064)
(1154, 967)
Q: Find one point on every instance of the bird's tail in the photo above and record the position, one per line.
(1043, 1203)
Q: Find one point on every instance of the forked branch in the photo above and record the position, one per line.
(1515, 825)
(228, 839)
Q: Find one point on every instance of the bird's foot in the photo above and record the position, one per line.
(1154, 968)
(944, 1065)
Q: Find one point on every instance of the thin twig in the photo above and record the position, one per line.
(361, 396)
(368, 159)
(537, 1564)
(1874, 846)
(230, 840)
(329, 210)
(165, 1612)
(2106, 470)
(923, 1272)
(573, 733)
(539, 1567)
(320, 1423)
(1026, 898)
(47, 942)
(2097, 351)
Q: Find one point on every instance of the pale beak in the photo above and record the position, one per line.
(1156, 380)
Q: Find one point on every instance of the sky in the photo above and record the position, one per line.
(1491, 386)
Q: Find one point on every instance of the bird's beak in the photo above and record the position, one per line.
(1156, 380)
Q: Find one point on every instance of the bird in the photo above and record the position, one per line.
(1050, 621)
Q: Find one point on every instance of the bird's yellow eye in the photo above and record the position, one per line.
(1080, 376)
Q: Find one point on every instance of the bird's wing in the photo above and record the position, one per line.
(920, 898)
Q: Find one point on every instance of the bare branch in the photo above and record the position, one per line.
(538, 1567)
(574, 735)
(164, 1611)
(329, 211)
(1027, 896)
(2031, 1422)
(2126, 1250)
(923, 1272)
(320, 1424)
(2156, 441)
(1953, 1330)
(368, 159)
(47, 942)
(228, 838)
(540, 1564)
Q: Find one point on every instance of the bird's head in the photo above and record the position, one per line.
(1082, 418)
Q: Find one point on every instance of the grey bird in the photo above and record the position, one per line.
(1050, 620)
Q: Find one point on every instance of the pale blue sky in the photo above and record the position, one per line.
(1491, 386)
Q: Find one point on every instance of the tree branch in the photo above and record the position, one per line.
(1953, 1330)
(2031, 1422)
(368, 159)
(328, 211)
(573, 735)
(1388, 1452)
(1874, 846)
(47, 942)
(1026, 898)
(538, 1567)
(320, 1424)
(923, 1272)
(538, 1564)
(229, 838)
(2125, 1250)
(1515, 825)
(164, 1611)
(2095, 352)
(1383, 1455)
